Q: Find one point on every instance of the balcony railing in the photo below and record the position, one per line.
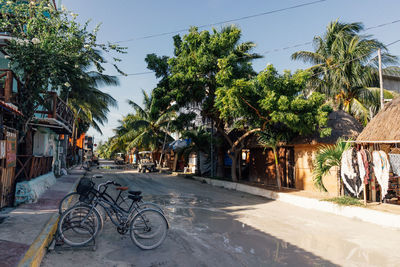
(10, 85)
(55, 114)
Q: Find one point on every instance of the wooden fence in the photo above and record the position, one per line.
(7, 186)
(29, 166)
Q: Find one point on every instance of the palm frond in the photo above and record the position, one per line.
(328, 156)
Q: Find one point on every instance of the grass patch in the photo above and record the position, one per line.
(344, 201)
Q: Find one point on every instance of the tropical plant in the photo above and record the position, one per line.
(344, 65)
(270, 103)
(196, 64)
(90, 105)
(47, 49)
(328, 156)
(145, 128)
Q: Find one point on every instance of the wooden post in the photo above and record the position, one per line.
(373, 188)
(54, 105)
(365, 195)
(8, 85)
(380, 78)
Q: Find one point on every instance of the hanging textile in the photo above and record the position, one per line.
(361, 167)
(395, 163)
(365, 164)
(350, 172)
(381, 170)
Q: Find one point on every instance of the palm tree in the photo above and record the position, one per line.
(344, 64)
(328, 156)
(370, 106)
(146, 128)
(199, 142)
(89, 103)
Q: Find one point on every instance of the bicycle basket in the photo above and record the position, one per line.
(88, 197)
(84, 186)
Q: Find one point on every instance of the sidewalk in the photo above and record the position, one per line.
(27, 230)
(387, 215)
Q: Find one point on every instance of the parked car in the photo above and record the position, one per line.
(146, 162)
(119, 159)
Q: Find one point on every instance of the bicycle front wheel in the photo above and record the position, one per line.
(68, 201)
(149, 205)
(79, 225)
(148, 229)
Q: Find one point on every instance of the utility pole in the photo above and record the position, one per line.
(212, 148)
(380, 78)
(163, 148)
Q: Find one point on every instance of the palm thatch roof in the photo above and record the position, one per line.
(342, 124)
(385, 126)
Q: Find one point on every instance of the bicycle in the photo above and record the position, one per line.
(74, 198)
(148, 227)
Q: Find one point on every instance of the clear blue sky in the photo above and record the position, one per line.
(125, 19)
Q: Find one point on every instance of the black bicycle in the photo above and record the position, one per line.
(122, 199)
(80, 224)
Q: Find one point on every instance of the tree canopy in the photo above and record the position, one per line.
(50, 50)
(344, 66)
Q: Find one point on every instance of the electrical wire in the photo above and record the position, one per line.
(342, 63)
(288, 47)
(222, 22)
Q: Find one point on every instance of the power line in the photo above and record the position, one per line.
(290, 47)
(382, 25)
(223, 22)
(342, 63)
(137, 73)
(308, 43)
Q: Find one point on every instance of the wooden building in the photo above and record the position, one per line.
(383, 133)
(9, 86)
(343, 125)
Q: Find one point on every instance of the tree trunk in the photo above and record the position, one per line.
(175, 162)
(278, 177)
(339, 182)
(234, 165)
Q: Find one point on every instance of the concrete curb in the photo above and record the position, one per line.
(364, 214)
(33, 257)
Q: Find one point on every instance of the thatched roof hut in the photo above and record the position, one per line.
(385, 126)
(342, 124)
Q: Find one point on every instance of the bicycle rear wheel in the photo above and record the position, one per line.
(79, 225)
(148, 229)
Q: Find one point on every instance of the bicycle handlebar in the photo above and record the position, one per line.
(107, 183)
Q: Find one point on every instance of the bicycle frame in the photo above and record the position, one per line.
(103, 199)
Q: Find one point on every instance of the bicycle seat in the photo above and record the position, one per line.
(135, 198)
(135, 193)
(122, 188)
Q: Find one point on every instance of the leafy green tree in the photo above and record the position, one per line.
(270, 103)
(344, 66)
(48, 49)
(196, 64)
(328, 156)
